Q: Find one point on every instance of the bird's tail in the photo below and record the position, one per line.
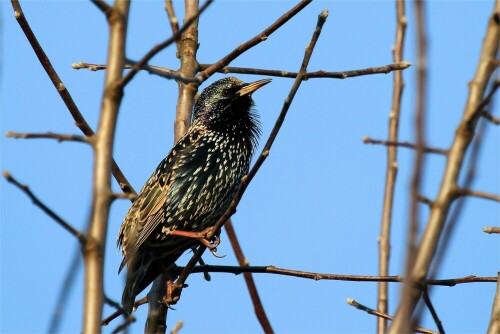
(137, 268)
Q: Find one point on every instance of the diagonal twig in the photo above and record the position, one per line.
(79, 235)
(252, 288)
(80, 121)
(435, 317)
(157, 48)
(206, 73)
(383, 315)
(260, 160)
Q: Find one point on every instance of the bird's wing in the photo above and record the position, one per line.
(150, 208)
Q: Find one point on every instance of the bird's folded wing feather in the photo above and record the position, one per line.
(149, 210)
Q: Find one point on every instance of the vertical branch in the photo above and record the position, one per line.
(188, 46)
(494, 326)
(418, 167)
(449, 186)
(392, 168)
(102, 194)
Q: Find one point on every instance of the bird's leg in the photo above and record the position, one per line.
(173, 293)
(202, 238)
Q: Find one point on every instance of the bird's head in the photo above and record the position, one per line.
(227, 104)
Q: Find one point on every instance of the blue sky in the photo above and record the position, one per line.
(315, 205)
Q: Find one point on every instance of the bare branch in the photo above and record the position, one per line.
(480, 194)
(494, 325)
(188, 46)
(392, 167)
(65, 290)
(368, 140)
(425, 200)
(157, 48)
(398, 66)
(491, 230)
(490, 117)
(119, 312)
(335, 277)
(489, 97)
(103, 7)
(93, 253)
(260, 160)
(177, 327)
(25, 189)
(172, 18)
(171, 74)
(80, 121)
(128, 321)
(128, 196)
(49, 135)
(252, 288)
(447, 192)
(252, 42)
(383, 315)
(427, 301)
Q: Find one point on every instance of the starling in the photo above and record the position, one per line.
(193, 186)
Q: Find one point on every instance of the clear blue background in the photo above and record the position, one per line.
(316, 203)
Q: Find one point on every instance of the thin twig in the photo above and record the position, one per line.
(397, 66)
(490, 117)
(128, 321)
(49, 135)
(383, 315)
(65, 290)
(260, 160)
(103, 7)
(171, 74)
(119, 312)
(335, 277)
(172, 18)
(80, 121)
(157, 48)
(77, 234)
(177, 327)
(238, 270)
(489, 97)
(392, 168)
(252, 288)
(426, 149)
(491, 230)
(206, 73)
(128, 196)
(435, 317)
(480, 194)
(463, 136)
(425, 200)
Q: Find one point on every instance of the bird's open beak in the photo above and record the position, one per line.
(251, 87)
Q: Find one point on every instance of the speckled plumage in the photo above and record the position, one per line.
(193, 186)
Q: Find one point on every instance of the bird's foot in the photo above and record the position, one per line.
(173, 293)
(202, 237)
